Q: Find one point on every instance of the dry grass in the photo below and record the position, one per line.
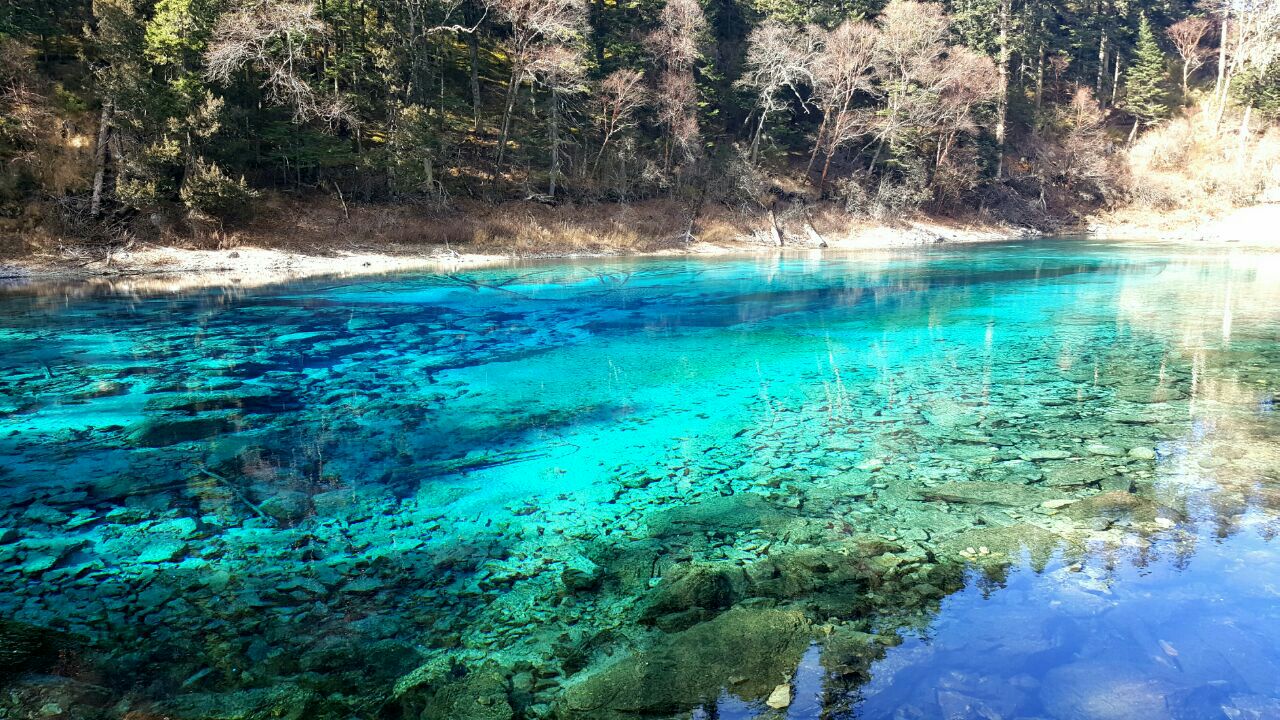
(319, 226)
(1186, 165)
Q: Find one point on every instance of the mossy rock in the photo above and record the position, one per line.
(280, 702)
(1116, 505)
(448, 688)
(735, 513)
(702, 588)
(849, 652)
(988, 493)
(30, 649)
(744, 651)
(1075, 475)
(166, 432)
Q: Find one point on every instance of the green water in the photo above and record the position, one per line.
(1019, 481)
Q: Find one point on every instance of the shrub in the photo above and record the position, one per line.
(208, 191)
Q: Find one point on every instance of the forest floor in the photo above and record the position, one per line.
(294, 239)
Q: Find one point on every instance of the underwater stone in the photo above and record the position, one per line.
(163, 433)
(1006, 544)
(1075, 475)
(581, 574)
(1099, 690)
(1114, 506)
(744, 511)
(447, 687)
(287, 506)
(43, 514)
(848, 651)
(281, 702)
(27, 648)
(780, 697)
(987, 493)
(163, 552)
(701, 587)
(1041, 455)
(694, 666)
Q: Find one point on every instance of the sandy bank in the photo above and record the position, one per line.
(1255, 226)
(263, 260)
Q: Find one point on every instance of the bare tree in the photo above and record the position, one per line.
(675, 46)
(841, 71)
(559, 68)
(533, 23)
(1250, 41)
(1187, 36)
(964, 79)
(273, 36)
(622, 93)
(779, 59)
(913, 38)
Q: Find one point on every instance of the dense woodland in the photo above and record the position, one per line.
(173, 111)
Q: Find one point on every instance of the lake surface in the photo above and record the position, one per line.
(1035, 481)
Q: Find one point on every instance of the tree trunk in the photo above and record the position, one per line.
(1102, 65)
(1222, 59)
(1223, 86)
(1002, 101)
(553, 125)
(100, 160)
(473, 47)
(1133, 134)
(1244, 133)
(1040, 78)
(817, 143)
(1115, 81)
(774, 231)
(513, 88)
(755, 141)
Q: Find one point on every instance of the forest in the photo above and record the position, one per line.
(119, 116)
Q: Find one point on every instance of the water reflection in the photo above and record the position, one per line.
(1019, 481)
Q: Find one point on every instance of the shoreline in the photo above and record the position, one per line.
(168, 268)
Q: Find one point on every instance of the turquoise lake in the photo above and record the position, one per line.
(1023, 481)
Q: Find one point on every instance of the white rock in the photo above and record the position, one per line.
(780, 697)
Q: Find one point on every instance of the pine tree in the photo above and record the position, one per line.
(1145, 95)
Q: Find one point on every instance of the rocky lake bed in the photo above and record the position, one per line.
(665, 488)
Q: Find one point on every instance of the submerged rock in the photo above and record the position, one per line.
(1099, 690)
(448, 687)
(743, 651)
(694, 592)
(744, 511)
(988, 493)
(280, 702)
(29, 649)
(581, 574)
(163, 433)
(994, 547)
(288, 506)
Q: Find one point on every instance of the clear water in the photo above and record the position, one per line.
(1018, 481)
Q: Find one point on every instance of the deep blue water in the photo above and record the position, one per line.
(1034, 480)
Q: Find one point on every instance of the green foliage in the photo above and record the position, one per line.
(207, 190)
(1260, 89)
(376, 96)
(1145, 95)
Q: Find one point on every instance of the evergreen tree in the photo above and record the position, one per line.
(1145, 95)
